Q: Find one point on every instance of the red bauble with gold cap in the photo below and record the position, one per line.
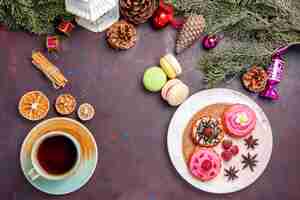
(163, 15)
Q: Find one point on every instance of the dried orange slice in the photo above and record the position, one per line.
(86, 112)
(65, 104)
(34, 105)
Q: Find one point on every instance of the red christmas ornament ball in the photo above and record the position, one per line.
(162, 16)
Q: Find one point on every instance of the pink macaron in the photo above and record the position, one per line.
(205, 164)
(175, 92)
(239, 120)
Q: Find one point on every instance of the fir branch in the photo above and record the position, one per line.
(253, 28)
(37, 16)
(227, 61)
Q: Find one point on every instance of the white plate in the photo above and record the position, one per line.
(220, 184)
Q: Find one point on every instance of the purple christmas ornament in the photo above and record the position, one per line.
(275, 72)
(210, 41)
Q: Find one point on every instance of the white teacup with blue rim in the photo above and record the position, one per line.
(55, 156)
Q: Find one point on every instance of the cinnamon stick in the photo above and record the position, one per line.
(50, 70)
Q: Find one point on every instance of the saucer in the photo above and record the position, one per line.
(87, 165)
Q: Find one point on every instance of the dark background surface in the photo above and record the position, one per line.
(130, 125)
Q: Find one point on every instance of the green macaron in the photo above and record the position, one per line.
(154, 79)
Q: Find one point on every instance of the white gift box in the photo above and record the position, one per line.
(94, 15)
(90, 9)
(102, 22)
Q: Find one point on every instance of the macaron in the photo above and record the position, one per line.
(175, 92)
(154, 79)
(171, 66)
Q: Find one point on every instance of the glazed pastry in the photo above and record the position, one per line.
(86, 112)
(207, 132)
(188, 146)
(205, 164)
(65, 104)
(175, 92)
(239, 120)
(34, 105)
(171, 66)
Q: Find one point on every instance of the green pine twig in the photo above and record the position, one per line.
(253, 30)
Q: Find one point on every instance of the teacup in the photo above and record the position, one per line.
(55, 156)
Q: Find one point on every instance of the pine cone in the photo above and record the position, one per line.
(121, 35)
(137, 11)
(190, 32)
(255, 79)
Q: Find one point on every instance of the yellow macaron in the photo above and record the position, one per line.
(171, 66)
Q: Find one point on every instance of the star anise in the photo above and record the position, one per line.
(251, 142)
(231, 173)
(249, 161)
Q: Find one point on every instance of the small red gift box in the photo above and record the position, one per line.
(52, 43)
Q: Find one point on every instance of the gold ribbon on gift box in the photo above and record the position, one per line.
(50, 70)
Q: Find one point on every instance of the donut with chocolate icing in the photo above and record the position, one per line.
(239, 120)
(207, 131)
(205, 164)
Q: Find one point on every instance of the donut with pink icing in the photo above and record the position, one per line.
(239, 120)
(205, 164)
